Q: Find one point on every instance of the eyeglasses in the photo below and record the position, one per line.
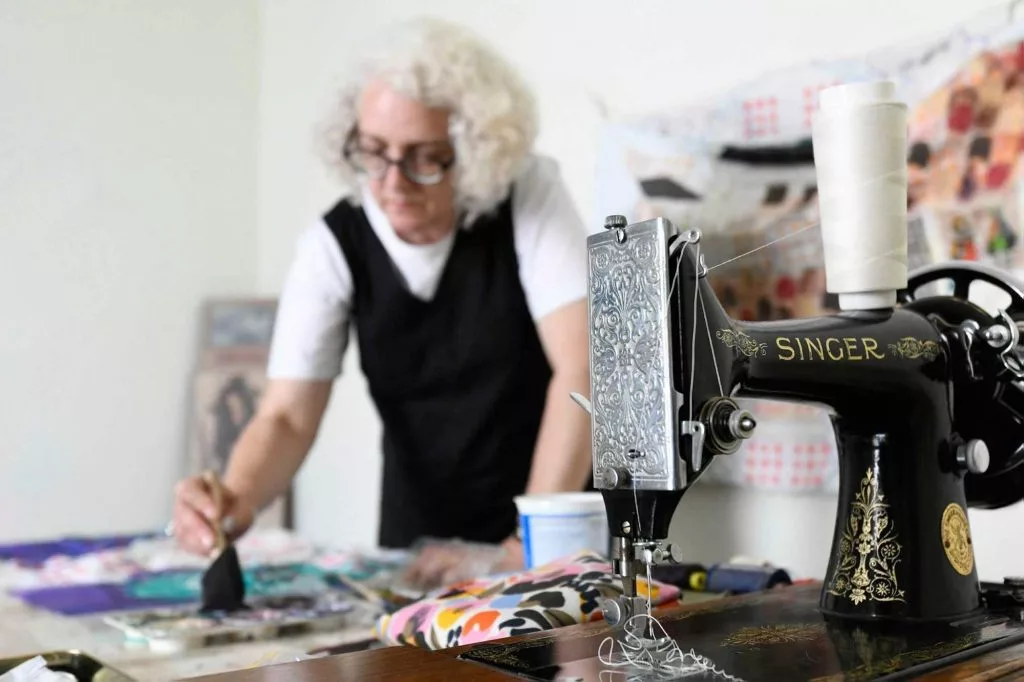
(424, 164)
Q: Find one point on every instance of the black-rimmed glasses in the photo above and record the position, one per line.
(424, 164)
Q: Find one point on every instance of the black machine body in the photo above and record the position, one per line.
(925, 397)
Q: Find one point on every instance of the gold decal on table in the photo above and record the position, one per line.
(869, 550)
(827, 348)
(503, 655)
(956, 539)
(878, 656)
(774, 634)
(742, 342)
(910, 348)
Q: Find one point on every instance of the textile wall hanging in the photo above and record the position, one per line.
(740, 168)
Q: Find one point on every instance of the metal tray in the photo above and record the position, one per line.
(84, 667)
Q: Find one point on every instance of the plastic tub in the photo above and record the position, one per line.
(556, 525)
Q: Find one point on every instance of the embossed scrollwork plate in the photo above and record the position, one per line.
(630, 361)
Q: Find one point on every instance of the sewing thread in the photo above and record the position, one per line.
(664, 660)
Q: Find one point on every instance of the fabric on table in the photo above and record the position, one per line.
(99, 575)
(36, 553)
(101, 560)
(563, 592)
(173, 588)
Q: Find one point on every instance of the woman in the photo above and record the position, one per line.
(460, 259)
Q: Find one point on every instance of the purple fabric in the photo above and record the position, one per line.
(78, 600)
(36, 553)
(170, 587)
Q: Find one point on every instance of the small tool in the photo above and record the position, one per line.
(223, 583)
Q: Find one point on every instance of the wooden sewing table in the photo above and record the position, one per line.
(1002, 663)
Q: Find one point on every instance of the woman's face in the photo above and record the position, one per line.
(395, 127)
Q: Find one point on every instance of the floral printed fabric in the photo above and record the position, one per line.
(563, 592)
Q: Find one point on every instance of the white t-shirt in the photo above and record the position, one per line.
(314, 310)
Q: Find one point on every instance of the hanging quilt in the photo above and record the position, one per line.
(741, 169)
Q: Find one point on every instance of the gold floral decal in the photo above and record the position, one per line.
(868, 551)
(911, 349)
(956, 539)
(741, 342)
(502, 655)
(774, 634)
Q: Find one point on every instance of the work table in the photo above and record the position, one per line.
(25, 630)
(418, 665)
(28, 630)
(717, 627)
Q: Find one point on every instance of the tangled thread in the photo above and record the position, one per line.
(660, 659)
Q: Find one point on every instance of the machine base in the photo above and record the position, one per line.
(776, 635)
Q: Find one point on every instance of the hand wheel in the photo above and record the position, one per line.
(963, 274)
(989, 408)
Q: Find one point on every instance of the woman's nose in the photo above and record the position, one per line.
(395, 179)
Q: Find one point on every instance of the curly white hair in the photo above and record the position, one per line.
(493, 116)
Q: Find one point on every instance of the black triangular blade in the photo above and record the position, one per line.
(223, 584)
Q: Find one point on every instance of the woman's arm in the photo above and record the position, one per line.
(263, 462)
(310, 336)
(561, 459)
(277, 440)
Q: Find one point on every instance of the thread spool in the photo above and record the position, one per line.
(860, 150)
(743, 579)
(691, 577)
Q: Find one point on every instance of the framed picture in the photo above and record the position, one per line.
(237, 331)
(225, 399)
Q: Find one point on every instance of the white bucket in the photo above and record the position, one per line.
(556, 525)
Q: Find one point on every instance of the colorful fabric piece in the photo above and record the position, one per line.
(36, 553)
(173, 588)
(563, 592)
(86, 575)
(77, 561)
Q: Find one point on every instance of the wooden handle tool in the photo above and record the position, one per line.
(217, 492)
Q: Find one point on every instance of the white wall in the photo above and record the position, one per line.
(635, 59)
(128, 146)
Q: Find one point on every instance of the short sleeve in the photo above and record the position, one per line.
(551, 241)
(312, 326)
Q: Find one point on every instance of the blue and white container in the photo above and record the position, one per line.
(556, 525)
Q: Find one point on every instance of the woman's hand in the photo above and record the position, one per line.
(448, 563)
(513, 556)
(196, 513)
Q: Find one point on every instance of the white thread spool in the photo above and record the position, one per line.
(860, 155)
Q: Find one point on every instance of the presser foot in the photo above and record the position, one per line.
(619, 614)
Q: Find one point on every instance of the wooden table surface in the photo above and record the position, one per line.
(419, 665)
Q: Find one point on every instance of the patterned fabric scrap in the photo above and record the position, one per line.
(563, 592)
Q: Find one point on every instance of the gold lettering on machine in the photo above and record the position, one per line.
(827, 349)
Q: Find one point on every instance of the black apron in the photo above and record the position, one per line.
(459, 382)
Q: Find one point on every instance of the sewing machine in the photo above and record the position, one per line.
(928, 406)
(926, 394)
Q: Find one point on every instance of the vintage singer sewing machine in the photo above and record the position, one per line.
(926, 391)
(928, 405)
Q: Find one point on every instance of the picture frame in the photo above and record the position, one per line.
(237, 331)
(225, 399)
(235, 339)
